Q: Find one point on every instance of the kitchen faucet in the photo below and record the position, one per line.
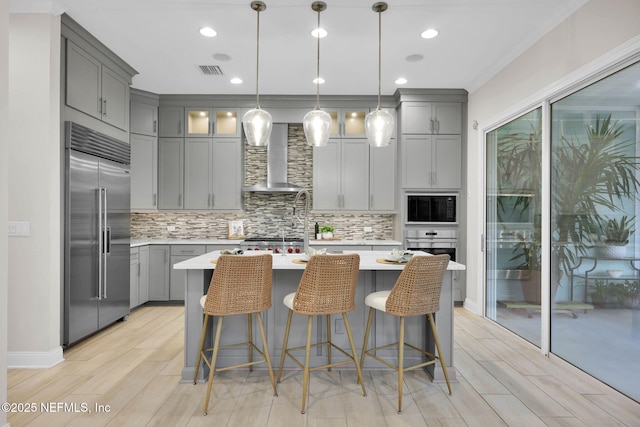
(305, 220)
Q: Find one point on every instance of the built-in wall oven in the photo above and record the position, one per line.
(434, 241)
(431, 208)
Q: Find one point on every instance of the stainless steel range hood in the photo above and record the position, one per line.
(276, 164)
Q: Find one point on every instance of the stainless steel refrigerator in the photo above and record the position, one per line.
(97, 237)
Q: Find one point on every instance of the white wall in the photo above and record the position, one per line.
(597, 28)
(34, 194)
(4, 144)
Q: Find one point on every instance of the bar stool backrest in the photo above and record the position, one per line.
(240, 285)
(328, 285)
(417, 290)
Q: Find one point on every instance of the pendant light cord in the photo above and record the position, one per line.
(379, 54)
(257, 58)
(318, 66)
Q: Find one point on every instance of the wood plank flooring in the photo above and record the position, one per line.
(132, 373)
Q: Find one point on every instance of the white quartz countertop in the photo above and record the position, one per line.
(368, 261)
(235, 242)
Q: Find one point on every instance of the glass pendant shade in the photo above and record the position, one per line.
(317, 127)
(257, 127)
(378, 126)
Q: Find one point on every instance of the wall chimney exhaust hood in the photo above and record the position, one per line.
(276, 164)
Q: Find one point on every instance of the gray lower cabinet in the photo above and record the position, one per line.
(341, 175)
(144, 172)
(431, 161)
(170, 173)
(178, 278)
(95, 89)
(212, 172)
(159, 272)
(139, 276)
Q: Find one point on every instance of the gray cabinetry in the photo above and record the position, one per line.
(134, 277)
(207, 122)
(139, 276)
(348, 122)
(170, 121)
(159, 272)
(431, 161)
(95, 89)
(178, 278)
(382, 177)
(444, 118)
(341, 175)
(170, 173)
(144, 171)
(144, 118)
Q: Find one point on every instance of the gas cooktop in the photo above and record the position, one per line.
(277, 245)
(272, 239)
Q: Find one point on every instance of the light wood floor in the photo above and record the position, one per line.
(132, 370)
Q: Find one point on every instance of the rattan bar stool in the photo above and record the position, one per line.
(240, 285)
(415, 293)
(327, 286)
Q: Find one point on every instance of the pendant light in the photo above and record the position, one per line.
(317, 123)
(378, 125)
(257, 122)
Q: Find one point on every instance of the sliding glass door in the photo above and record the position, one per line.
(513, 225)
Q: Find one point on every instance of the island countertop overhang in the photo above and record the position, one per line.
(368, 261)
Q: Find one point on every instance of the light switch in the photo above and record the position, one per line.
(19, 228)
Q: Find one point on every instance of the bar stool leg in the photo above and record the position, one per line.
(366, 337)
(354, 353)
(250, 334)
(266, 354)
(329, 340)
(284, 345)
(202, 336)
(212, 366)
(400, 364)
(305, 381)
(440, 356)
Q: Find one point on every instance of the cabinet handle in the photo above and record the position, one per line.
(104, 110)
(155, 199)
(432, 127)
(155, 127)
(179, 127)
(210, 128)
(138, 269)
(100, 106)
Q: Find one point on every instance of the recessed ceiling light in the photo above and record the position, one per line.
(401, 81)
(429, 34)
(208, 32)
(319, 32)
(318, 81)
(236, 80)
(414, 58)
(222, 57)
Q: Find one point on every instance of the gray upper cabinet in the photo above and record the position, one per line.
(170, 121)
(341, 175)
(95, 89)
(442, 118)
(170, 173)
(347, 122)
(144, 118)
(144, 171)
(432, 161)
(382, 177)
(212, 173)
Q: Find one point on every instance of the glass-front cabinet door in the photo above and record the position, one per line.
(347, 121)
(205, 122)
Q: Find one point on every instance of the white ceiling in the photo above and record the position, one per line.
(160, 39)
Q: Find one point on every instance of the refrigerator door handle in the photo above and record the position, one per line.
(100, 241)
(107, 246)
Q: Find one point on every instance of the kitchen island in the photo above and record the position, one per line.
(287, 270)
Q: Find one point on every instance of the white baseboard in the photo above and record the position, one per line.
(472, 307)
(34, 359)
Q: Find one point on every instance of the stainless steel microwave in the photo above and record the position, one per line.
(432, 208)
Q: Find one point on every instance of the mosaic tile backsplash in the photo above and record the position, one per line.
(264, 214)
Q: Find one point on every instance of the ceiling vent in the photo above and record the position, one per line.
(211, 70)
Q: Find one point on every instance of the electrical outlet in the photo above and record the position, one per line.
(171, 228)
(19, 228)
(368, 229)
(339, 329)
